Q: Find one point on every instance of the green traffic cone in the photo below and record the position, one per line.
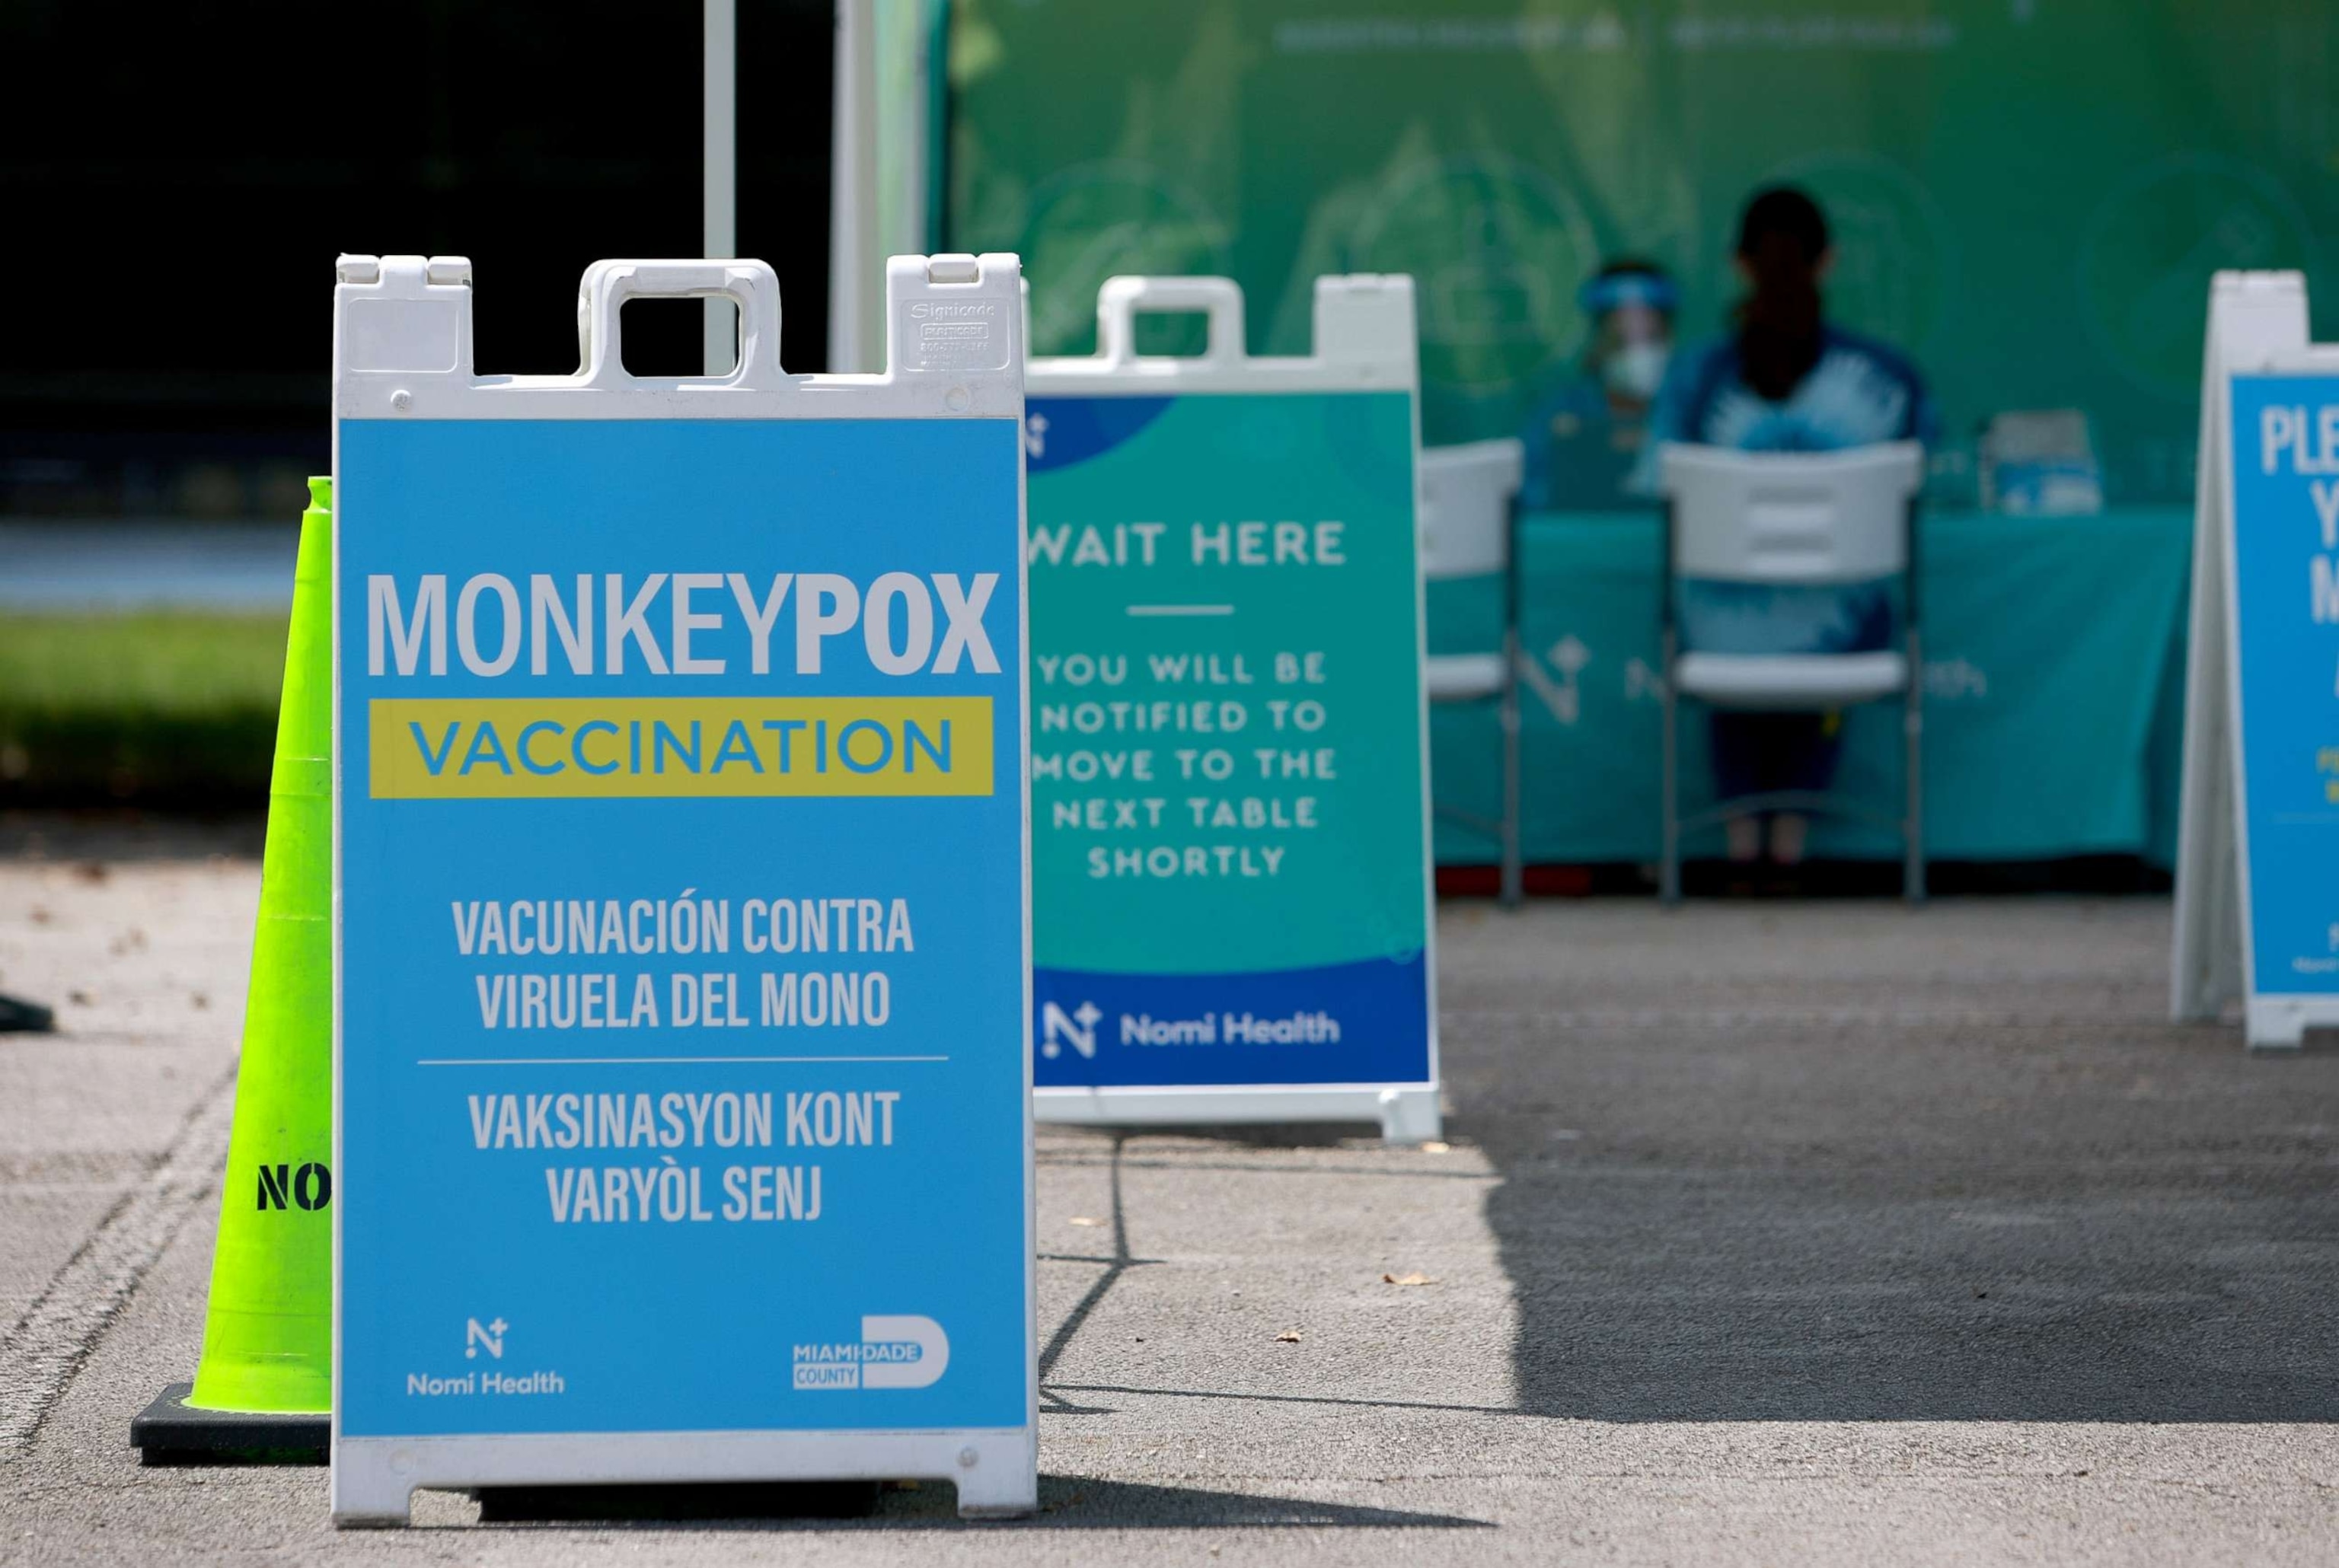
(268, 1331)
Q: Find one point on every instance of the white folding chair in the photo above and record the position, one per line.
(1466, 530)
(1793, 518)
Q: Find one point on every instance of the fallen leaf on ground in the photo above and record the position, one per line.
(1288, 1337)
(1085, 1219)
(1414, 1278)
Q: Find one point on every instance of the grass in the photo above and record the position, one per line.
(163, 709)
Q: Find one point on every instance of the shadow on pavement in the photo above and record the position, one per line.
(711, 1501)
(1066, 1502)
(1765, 1221)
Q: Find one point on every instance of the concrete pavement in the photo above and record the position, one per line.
(1828, 1233)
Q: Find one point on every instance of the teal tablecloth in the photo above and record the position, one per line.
(2054, 674)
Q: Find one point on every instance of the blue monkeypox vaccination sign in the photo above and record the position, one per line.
(1229, 871)
(682, 960)
(2285, 577)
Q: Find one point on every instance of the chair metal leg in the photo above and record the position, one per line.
(1912, 830)
(1669, 870)
(1512, 873)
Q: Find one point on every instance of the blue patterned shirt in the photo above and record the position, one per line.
(1859, 394)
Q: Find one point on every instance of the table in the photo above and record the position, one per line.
(2054, 684)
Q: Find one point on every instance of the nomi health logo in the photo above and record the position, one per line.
(1076, 1028)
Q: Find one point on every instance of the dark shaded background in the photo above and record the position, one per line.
(176, 181)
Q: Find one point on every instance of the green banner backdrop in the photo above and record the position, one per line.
(2029, 196)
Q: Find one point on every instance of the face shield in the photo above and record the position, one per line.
(1632, 331)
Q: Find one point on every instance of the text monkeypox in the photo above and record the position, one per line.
(676, 624)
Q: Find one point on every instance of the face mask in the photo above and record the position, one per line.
(1635, 370)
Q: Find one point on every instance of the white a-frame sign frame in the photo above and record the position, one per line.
(859, 1304)
(2257, 904)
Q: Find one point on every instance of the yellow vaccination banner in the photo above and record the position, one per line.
(524, 748)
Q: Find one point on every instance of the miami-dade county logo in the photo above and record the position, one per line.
(906, 1352)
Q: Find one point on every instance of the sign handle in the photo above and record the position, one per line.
(752, 286)
(1121, 300)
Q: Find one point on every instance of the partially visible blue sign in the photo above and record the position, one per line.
(684, 944)
(2285, 556)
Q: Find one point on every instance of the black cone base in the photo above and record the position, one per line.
(167, 1432)
(19, 1016)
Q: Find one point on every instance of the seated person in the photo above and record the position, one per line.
(1786, 380)
(1585, 437)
